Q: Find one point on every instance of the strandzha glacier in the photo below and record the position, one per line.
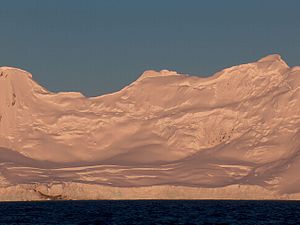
(233, 135)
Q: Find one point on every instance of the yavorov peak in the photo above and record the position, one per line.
(233, 135)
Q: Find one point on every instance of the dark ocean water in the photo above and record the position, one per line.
(151, 212)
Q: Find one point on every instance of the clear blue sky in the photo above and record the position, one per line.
(99, 46)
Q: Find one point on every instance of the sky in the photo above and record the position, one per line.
(99, 46)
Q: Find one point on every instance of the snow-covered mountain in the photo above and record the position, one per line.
(235, 134)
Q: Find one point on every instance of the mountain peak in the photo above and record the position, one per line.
(272, 58)
(17, 82)
(6, 70)
(154, 73)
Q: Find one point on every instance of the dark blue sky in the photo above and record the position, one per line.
(99, 46)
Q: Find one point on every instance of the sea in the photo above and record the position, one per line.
(144, 212)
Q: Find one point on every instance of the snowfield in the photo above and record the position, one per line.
(234, 135)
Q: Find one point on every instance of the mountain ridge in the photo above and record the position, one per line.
(273, 58)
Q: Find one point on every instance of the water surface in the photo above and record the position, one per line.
(151, 212)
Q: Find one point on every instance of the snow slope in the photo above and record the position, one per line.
(235, 134)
